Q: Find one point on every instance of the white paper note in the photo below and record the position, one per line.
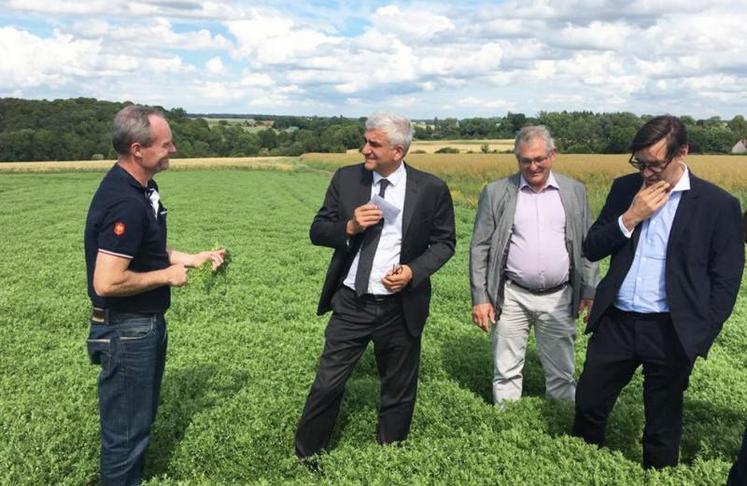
(390, 210)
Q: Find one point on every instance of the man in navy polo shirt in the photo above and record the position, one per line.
(130, 272)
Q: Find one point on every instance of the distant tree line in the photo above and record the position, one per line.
(79, 129)
(585, 131)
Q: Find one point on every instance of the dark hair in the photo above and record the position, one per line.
(657, 128)
(131, 125)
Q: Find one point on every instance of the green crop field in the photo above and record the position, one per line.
(243, 352)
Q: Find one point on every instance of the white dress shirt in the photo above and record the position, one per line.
(388, 250)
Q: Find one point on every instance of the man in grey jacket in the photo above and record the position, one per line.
(526, 267)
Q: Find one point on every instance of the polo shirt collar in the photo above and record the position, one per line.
(120, 173)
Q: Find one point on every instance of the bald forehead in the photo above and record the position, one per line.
(159, 129)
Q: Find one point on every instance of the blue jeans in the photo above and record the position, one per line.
(131, 349)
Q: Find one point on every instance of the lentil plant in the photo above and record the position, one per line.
(241, 360)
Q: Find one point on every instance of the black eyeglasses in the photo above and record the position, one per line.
(536, 160)
(654, 166)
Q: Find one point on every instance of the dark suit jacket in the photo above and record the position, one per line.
(428, 235)
(704, 262)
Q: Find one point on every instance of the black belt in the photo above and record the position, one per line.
(541, 291)
(640, 316)
(377, 298)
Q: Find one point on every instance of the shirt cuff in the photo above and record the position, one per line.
(625, 231)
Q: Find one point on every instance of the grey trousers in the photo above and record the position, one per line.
(555, 330)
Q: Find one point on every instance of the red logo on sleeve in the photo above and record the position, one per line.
(119, 228)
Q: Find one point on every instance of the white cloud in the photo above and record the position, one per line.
(188, 9)
(274, 39)
(413, 23)
(218, 91)
(170, 64)
(215, 66)
(258, 80)
(30, 60)
(150, 33)
(474, 102)
(596, 35)
(530, 55)
(63, 7)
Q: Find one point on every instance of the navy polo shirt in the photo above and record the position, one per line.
(121, 222)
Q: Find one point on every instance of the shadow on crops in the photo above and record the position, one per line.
(186, 392)
(468, 360)
(356, 423)
(711, 431)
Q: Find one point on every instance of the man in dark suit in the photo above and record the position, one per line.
(677, 260)
(392, 227)
(738, 473)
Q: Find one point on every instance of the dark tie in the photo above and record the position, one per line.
(368, 249)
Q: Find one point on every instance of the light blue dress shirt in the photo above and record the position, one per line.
(644, 288)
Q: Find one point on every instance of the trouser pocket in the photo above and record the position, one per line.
(99, 343)
(134, 327)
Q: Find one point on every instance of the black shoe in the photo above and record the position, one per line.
(312, 463)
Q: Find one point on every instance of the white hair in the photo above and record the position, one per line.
(398, 129)
(531, 132)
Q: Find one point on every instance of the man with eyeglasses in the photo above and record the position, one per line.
(526, 267)
(677, 256)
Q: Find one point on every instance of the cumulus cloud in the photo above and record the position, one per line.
(410, 24)
(274, 39)
(156, 32)
(212, 10)
(527, 55)
(215, 67)
(30, 60)
(258, 80)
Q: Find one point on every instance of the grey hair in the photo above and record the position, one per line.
(398, 129)
(531, 132)
(131, 125)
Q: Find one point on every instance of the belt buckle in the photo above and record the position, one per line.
(98, 315)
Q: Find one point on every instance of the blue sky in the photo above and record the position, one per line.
(422, 59)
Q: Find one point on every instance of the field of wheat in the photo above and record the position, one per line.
(468, 173)
(464, 146)
(274, 163)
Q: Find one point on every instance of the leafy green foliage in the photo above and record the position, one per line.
(208, 279)
(79, 129)
(243, 355)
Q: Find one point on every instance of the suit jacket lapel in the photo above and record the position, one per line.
(361, 197)
(363, 194)
(411, 194)
(685, 210)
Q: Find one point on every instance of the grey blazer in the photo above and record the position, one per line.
(492, 233)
